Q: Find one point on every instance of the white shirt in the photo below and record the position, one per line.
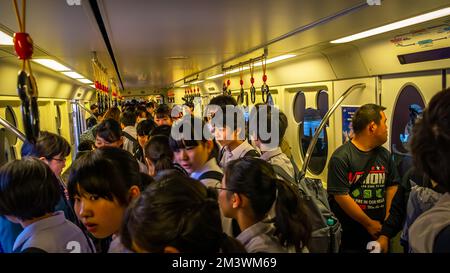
(237, 153)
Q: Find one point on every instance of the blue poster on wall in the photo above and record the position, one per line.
(347, 115)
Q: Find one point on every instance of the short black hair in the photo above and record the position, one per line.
(158, 151)
(47, 145)
(365, 115)
(430, 143)
(109, 130)
(145, 127)
(223, 100)
(108, 172)
(161, 130)
(128, 118)
(282, 122)
(93, 106)
(162, 111)
(28, 189)
(176, 211)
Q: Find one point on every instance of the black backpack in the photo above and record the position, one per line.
(326, 228)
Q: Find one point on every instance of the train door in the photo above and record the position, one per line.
(404, 97)
(304, 106)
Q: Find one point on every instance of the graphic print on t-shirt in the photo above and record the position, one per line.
(369, 194)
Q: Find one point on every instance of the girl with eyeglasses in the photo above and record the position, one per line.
(248, 191)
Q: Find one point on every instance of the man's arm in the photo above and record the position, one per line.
(390, 193)
(356, 213)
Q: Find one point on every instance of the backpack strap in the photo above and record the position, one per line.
(211, 175)
(252, 153)
(286, 177)
(130, 137)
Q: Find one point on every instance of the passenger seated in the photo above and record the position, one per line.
(247, 193)
(159, 157)
(430, 147)
(29, 192)
(176, 214)
(101, 185)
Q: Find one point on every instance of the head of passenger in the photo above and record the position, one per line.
(163, 115)
(51, 148)
(94, 109)
(101, 185)
(214, 105)
(141, 114)
(158, 154)
(108, 133)
(248, 192)
(176, 214)
(265, 138)
(143, 130)
(164, 130)
(127, 118)
(29, 190)
(430, 145)
(113, 113)
(229, 126)
(191, 148)
(369, 122)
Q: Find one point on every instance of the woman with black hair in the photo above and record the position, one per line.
(176, 214)
(101, 185)
(159, 157)
(248, 191)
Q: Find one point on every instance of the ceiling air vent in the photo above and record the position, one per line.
(423, 56)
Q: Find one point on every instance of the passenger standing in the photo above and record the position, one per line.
(108, 134)
(247, 193)
(29, 192)
(128, 126)
(101, 185)
(431, 152)
(176, 214)
(163, 115)
(362, 179)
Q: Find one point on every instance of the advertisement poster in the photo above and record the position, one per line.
(347, 114)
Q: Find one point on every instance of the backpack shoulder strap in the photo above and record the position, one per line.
(252, 153)
(130, 137)
(281, 172)
(211, 175)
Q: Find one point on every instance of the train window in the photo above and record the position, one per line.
(322, 102)
(11, 118)
(299, 106)
(308, 127)
(408, 107)
(58, 119)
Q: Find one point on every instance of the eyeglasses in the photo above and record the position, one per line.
(59, 159)
(218, 186)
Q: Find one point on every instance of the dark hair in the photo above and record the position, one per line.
(187, 128)
(28, 189)
(47, 145)
(141, 112)
(113, 113)
(86, 145)
(256, 179)
(224, 118)
(161, 130)
(107, 172)
(158, 151)
(150, 104)
(128, 118)
(162, 111)
(145, 127)
(93, 106)
(282, 122)
(430, 144)
(223, 100)
(176, 211)
(365, 115)
(109, 130)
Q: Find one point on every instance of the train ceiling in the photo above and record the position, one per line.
(156, 43)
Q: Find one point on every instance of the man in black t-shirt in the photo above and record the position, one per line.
(362, 204)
